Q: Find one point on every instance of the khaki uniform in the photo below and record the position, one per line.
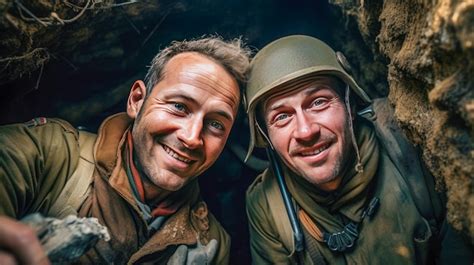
(408, 227)
(396, 234)
(36, 162)
(388, 237)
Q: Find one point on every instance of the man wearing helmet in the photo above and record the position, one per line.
(341, 195)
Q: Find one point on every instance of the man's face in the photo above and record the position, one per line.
(309, 129)
(184, 123)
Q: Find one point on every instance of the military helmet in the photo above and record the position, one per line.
(288, 61)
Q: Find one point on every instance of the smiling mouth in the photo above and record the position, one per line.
(176, 155)
(315, 152)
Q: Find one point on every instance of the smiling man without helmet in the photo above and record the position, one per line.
(139, 179)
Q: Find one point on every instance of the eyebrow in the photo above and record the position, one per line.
(223, 113)
(307, 93)
(277, 106)
(316, 89)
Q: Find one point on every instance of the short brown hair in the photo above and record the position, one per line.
(233, 55)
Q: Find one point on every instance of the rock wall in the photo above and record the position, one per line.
(76, 53)
(429, 46)
(82, 70)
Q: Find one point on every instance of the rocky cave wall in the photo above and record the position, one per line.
(429, 47)
(76, 59)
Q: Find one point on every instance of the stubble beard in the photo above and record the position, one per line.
(140, 150)
(334, 174)
(343, 161)
(339, 163)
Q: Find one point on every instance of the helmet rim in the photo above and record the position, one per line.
(334, 68)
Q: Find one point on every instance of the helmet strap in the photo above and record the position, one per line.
(264, 134)
(359, 168)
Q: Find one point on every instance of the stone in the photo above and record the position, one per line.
(65, 240)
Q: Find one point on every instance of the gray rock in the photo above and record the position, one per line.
(66, 240)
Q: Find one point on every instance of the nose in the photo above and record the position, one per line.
(190, 133)
(306, 128)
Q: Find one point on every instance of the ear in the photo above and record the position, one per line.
(136, 98)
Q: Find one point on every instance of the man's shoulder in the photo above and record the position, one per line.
(43, 123)
(259, 185)
(259, 193)
(41, 132)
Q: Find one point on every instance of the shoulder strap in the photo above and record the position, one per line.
(406, 159)
(78, 185)
(283, 226)
(313, 251)
(278, 211)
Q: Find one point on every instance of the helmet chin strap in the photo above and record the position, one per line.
(264, 134)
(359, 168)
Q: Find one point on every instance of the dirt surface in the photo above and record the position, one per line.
(82, 70)
(76, 59)
(429, 46)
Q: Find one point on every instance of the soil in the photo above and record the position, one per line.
(429, 46)
(79, 64)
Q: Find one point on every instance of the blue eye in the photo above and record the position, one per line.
(320, 103)
(217, 125)
(281, 117)
(180, 107)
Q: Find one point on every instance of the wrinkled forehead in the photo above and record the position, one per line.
(290, 90)
(205, 73)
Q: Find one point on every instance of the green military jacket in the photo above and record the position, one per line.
(398, 232)
(36, 161)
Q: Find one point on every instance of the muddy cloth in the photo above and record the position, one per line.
(396, 233)
(36, 160)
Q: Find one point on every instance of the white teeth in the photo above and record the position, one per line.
(175, 155)
(315, 152)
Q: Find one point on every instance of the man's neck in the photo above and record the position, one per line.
(153, 193)
(341, 179)
(331, 185)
